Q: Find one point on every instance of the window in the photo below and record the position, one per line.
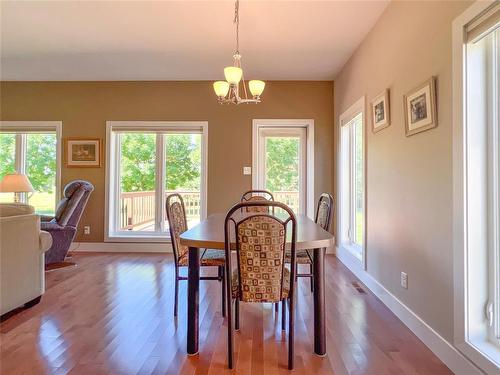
(148, 161)
(352, 181)
(32, 148)
(477, 183)
(283, 161)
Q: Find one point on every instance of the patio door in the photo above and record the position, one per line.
(281, 163)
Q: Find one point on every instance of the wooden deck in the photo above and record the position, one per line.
(113, 314)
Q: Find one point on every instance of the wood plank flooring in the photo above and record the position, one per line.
(113, 314)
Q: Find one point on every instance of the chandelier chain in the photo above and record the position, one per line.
(237, 22)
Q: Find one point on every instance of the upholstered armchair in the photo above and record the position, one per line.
(63, 225)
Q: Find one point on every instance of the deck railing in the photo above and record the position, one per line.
(137, 209)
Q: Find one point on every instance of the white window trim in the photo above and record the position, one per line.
(483, 358)
(34, 126)
(308, 124)
(355, 109)
(110, 152)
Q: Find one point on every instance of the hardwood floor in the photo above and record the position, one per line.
(113, 314)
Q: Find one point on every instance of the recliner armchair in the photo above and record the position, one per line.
(63, 225)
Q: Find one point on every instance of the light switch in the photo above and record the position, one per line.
(247, 170)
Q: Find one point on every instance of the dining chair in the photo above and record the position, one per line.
(323, 218)
(257, 195)
(176, 215)
(260, 275)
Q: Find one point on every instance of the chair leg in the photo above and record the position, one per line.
(176, 292)
(276, 306)
(283, 314)
(223, 291)
(219, 272)
(312, 277)
(229, 334)
(237, 314)
(291, 334)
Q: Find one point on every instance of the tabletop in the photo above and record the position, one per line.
(209, 233)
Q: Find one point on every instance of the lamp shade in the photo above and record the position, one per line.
(221, 88)
(233, 74)
(256, 87)
(15, 183)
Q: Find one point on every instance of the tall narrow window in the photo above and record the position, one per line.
(352, 181)
(283, 152)
(148, 161)
(477, 157)
(32, 148)
(483, 176)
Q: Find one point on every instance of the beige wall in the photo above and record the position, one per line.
(409, 179)
(84, 108)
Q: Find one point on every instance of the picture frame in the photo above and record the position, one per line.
(83, 152)
(381, 111)
(420, 108)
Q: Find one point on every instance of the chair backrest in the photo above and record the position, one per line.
(260, 241)
(324, 211)
(257, 195)
(177, 224)
(75, 197)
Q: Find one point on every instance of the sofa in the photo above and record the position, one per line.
(22, 247)
(63, 225)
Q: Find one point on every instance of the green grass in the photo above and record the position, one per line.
(44, 203)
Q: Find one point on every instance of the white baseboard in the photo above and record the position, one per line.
(445, 351)
(122, 247)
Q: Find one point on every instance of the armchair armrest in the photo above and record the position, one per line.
(51, 227)
(45, 241)
(46, 218)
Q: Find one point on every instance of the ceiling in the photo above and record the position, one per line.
(180, 40)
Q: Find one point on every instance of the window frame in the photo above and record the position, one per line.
(481, 351)
(112, 187)
(347, 213)
(19, 128)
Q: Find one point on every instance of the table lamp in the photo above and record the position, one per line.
(15, 183)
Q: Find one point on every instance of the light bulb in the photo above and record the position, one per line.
(233, 74)
(256, 87)
(221, 88)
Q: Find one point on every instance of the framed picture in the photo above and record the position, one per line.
(83, 152)
(420, 108)
(381, 117)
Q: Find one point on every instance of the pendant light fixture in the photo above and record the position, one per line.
(228, 91)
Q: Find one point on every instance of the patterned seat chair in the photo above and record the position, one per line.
(176, 215)
(261, 275)
(257, 195)
(323, 218)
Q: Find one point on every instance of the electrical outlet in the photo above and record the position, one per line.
(247, 170)
(404, 280)
(86, 229)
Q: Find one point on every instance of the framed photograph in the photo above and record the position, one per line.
(420, 108)
(381, 117)
(80, 152)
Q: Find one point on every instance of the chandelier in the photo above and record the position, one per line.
(228, 91)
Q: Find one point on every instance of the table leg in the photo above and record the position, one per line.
(319, 302)
(193, 300)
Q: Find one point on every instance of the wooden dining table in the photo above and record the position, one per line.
(209, 233)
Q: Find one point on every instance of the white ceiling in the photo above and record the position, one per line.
(180, 40)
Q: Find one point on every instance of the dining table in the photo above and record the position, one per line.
(209, 234)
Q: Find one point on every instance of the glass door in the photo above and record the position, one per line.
(282, 165)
